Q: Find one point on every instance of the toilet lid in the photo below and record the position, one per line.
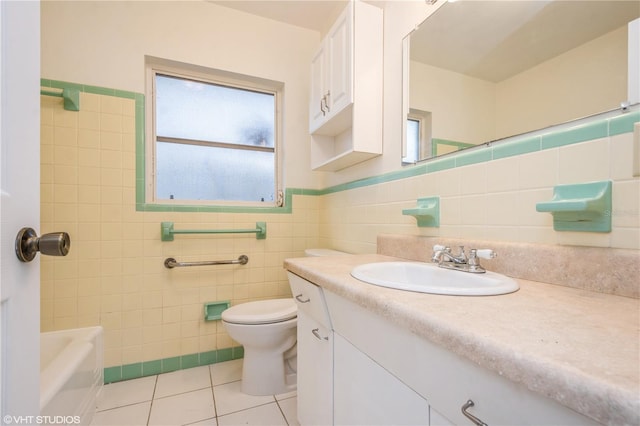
(261, 312)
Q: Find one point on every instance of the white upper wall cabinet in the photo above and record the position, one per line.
(345, 108)
(332, 73)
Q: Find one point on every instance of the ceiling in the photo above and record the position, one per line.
(494, 40)
(315, 15)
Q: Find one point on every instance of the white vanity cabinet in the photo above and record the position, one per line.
(315, 354)
(345, 106)
(367, 394)
(442, 378)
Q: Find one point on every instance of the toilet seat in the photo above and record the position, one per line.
(261, 312)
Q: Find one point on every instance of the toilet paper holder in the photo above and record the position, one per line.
(28, 244)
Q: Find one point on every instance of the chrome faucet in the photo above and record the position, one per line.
(460, 262)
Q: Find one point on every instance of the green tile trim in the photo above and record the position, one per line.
(481, 155)
(132, 371)
(113, 374)
(623, 123)
(151, 368)
(189, 361)
(166, 365)
(587, 132)
(523, 146)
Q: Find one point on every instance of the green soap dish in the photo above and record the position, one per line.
(427, 213)
(582, 207)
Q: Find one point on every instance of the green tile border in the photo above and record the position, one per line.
(166, 365)
(598, 126)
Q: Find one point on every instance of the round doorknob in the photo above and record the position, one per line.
(28, 244)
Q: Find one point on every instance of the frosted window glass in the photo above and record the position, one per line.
(195, 172)
(226, 146)
(413, 141)
(203, 111)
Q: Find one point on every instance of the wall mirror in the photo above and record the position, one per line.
(481, 71)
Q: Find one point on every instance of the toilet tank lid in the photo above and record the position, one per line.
(261, 312)
(323, 252)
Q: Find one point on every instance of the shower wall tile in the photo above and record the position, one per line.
(114, 274)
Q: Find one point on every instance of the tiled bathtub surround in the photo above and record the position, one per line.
(114, 274)
(605, 270)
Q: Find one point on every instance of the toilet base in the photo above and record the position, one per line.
(265, 373)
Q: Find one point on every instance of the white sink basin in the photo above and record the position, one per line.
(429, 278)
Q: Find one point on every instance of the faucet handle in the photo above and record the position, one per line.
(486, 254)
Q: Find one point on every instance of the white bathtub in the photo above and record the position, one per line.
(71, 374)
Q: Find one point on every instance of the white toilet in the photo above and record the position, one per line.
(267, 331)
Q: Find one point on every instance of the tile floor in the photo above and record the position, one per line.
(207, 395)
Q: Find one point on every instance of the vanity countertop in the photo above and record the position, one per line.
(578, 347)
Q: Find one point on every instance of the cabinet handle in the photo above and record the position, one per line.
(326, 100)
(299, 299)
(316, 332)
(470, 416)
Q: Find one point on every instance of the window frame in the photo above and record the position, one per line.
(425, 144)
(155, 66)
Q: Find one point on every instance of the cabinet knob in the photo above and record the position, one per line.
(476, 421)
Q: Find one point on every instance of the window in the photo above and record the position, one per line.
(418, 136)
(215, 138)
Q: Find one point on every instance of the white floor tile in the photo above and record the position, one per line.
(182, 381)
(136, 414)
(230, 399)
(207, 422)
(290, 409)
(226, 372)
(286, 395)
(267, 415)
(183, 409)
(127, 392)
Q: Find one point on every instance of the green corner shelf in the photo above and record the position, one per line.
(584, 207)
(427, 213)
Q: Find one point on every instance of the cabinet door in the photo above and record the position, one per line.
(315, 372)
(317, 106)
(437, 419)
(340, 57)
(367, 394)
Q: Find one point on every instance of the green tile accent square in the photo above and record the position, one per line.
(207, 358)
(583, 133)
(189, 361)
(517, 147)
(225, 354)
(238, 352)
(132, 371)
(150, 368)
(112, 374)
(170, 364)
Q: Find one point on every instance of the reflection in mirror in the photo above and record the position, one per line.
(486, 70)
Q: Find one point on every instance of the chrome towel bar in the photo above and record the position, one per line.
(171, 263)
